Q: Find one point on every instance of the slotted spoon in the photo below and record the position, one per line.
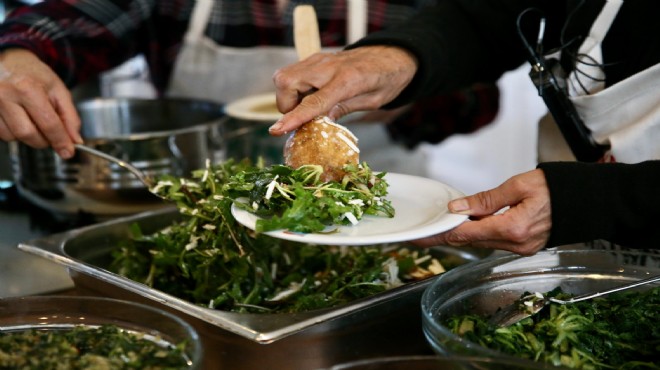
(531, 304)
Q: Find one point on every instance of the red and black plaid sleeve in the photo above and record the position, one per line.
(70, 36)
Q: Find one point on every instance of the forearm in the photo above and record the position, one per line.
(615, 202)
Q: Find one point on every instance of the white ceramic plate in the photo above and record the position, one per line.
(255, 108)
(420, 206)
(263, 108)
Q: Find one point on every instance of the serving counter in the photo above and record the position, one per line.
(22, 273)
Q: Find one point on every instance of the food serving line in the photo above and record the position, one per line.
(178, 136)
(382, 324)
(404, 321)
(73, 260)
(401, 322)
(385, 325)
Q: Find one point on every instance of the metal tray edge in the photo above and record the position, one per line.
(52, 248)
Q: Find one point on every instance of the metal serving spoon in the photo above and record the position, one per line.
(530, 305)
(143, 177)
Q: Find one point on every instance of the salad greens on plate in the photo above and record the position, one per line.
(298, 201)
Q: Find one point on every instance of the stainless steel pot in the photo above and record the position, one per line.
(247, 125)
(159, 136)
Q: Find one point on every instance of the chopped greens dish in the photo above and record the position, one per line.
(297, 200)
(88, 348)
(210, 259)
(617, 331)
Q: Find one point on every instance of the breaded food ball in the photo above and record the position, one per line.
(322, 142)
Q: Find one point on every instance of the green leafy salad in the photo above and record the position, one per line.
(617, 331)
(296, 199)
(89, 348)
(210, 259)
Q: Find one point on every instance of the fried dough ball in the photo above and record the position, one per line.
(322, 142)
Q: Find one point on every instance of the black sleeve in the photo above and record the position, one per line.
(459, 43)
(612, 201)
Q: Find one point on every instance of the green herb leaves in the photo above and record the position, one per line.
(87, 347)
(297, 200)
(209, 259)
(619, 331)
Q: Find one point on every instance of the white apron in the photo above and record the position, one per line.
(626, 115)
(208, 71)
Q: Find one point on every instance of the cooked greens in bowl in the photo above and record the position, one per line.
(87, 347)
(60, 332)
(617, 331)
(604, 333)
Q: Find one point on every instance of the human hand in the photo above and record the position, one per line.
(524, 228)
(36, 107)
(336, 84)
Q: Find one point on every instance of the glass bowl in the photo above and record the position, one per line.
(65, 312)
(484, 286)
(438, 363)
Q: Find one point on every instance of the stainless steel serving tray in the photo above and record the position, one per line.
(376, 325)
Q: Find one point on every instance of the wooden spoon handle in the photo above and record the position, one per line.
(306, 31)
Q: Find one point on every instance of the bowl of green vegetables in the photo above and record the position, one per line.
(76, 332)
(615, 331)
(429, 362)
